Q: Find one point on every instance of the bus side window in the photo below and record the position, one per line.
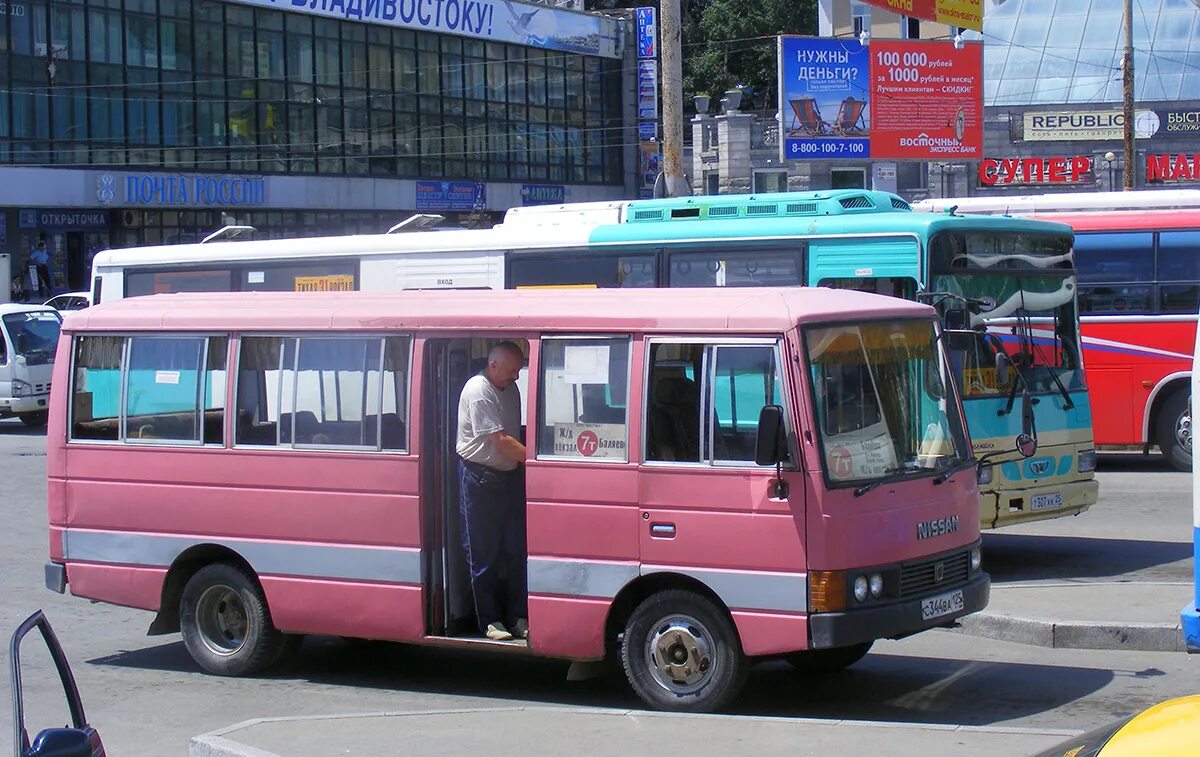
(259, 369)
(673, 403)
(584, 403)
(744, 381)
(162, 387)
(96, 388)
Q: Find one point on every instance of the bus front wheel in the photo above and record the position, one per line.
(681, 653)
(828, 660)
(1173, 429)
(226, 625)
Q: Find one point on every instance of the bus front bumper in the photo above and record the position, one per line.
(1010, 506)
(19, 405)
(893, 620)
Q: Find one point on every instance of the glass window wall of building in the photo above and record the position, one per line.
(201, 85)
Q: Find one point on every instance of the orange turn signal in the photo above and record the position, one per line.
(826, 590)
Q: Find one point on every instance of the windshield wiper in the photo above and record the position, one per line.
(961, 465)
(890, 475)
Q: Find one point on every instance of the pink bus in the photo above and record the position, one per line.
(714, 476)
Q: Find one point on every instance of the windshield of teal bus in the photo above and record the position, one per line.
(881, 401)
(1031, 280)
(33, 334)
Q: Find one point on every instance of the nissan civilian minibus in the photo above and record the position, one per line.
(714, 477)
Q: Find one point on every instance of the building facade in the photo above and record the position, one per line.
(130, 122)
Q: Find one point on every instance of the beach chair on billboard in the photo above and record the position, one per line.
(851, 119)
(806, 118)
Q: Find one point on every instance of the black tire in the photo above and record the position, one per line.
(226, 625)
(1173, 429)
(686, 628)
(818, 661)
(35, 420)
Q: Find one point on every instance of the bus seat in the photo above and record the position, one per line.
(393, 435)
(307, 426)
(675, 421)
(596, 408)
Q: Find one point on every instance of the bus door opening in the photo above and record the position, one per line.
(451, 362)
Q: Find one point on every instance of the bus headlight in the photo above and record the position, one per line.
(1087, 460)
(861, 588)
(985, 475)
(21, 388)
(876, 585)
(976, 558)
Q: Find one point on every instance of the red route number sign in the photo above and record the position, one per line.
(587, 443)
(926, 100)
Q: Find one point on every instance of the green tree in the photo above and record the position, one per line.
(731, 42)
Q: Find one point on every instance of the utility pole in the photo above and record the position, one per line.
(1130, 174)
(671, 92)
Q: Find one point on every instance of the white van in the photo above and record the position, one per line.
(28, 339)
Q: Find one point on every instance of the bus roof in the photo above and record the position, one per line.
(1065, 201)
(765, 310)
(1128, 220)
(567, 231)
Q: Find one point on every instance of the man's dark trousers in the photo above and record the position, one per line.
(492, 510)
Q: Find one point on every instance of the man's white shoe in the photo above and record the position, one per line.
(521, 628)
(497, 632)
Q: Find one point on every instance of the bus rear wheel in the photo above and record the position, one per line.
(226, 624)
(681, 653)
(828, 660)
(1173, 429)
(34, 420)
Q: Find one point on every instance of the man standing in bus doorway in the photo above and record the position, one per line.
(39, 257)
(491, 476)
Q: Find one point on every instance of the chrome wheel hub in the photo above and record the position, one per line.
(680, 654)
(1183, 431)
(222, 619)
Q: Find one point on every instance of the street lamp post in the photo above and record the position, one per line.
(1109, 158)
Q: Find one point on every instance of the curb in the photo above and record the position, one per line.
(1134, 637)
(218, 744)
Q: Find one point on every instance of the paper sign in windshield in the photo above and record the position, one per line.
(863, 454)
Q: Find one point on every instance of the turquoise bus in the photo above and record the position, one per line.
(1005, 288)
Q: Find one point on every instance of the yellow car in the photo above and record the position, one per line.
(1167, 729)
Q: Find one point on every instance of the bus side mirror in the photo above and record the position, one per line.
(61, 742)
(959, 340)
(1001, 369)
(955, 319)
(770, 447)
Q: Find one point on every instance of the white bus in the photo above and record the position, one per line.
(1064, 202)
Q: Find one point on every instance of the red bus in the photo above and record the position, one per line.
(1138, 260)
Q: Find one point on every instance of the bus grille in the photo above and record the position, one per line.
(41, 388)
(761, 210)
(802, 207)
(647, 215)
(921, 577)
(722, 211)
(898, 204)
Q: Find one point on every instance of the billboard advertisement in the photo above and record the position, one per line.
(965, 13)
(928, 100)
(824, 85)
(902, 99)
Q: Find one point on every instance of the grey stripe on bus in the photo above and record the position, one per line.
(579, 578)
(749, 590)
(348, 562)
(746, 589)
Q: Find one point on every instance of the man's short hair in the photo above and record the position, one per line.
(505, 347)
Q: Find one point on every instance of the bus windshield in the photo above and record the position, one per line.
(881, 399)
(1031, 280)
(34, 334)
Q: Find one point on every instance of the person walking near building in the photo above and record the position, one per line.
(491, 477)
(40, 258)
